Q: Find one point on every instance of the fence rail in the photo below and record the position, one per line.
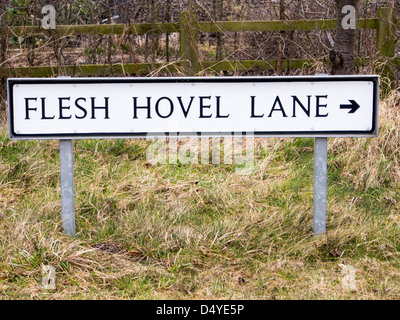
(212, 26)
(146, 68)
(188, 28)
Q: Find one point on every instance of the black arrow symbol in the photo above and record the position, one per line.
(353, 106)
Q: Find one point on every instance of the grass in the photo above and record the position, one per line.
(194, 231)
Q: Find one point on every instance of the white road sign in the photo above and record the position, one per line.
(70, 108)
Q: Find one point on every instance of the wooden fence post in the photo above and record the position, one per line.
(188, 43)
(385, 41)
(3, 49)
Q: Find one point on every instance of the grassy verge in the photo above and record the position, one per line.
(198, 231)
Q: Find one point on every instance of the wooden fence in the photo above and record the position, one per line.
(189, 64)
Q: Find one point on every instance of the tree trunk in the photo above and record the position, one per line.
(168, 20)
(218, 7)
(342, 55)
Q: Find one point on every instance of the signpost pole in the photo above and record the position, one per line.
(67, 184)
(320, 184)
(67, 187)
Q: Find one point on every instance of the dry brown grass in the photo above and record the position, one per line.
(203, 231)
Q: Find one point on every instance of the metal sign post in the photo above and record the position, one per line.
(67, 187)
(320, 181)
(67, 183)
(320, 185)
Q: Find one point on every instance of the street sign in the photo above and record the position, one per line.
(314, 106)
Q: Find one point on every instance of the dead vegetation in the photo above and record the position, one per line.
(202, 231)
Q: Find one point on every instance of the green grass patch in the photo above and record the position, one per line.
(202, 231)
